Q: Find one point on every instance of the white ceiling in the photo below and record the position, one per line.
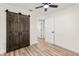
(32, 6)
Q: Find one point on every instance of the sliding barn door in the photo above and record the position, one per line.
(24, 30)
(17, 31)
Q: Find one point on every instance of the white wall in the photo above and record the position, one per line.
(33, 25)
(67, 27)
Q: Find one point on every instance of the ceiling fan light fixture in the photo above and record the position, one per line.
(46, 6)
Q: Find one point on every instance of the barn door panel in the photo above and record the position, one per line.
(24, 35)
(12, 31)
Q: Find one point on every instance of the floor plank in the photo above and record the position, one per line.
(34, 50)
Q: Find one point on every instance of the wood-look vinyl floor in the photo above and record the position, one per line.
(50, 50)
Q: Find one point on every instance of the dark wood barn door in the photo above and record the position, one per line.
(17, 31)
(24, 30)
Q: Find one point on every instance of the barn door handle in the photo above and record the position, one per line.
(53, 32)
(21, 33)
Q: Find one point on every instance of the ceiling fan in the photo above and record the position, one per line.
(46, 5)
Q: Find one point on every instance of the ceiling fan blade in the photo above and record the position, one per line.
(45, 9)
(54, 6)
(38, 7)
(46, 3)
